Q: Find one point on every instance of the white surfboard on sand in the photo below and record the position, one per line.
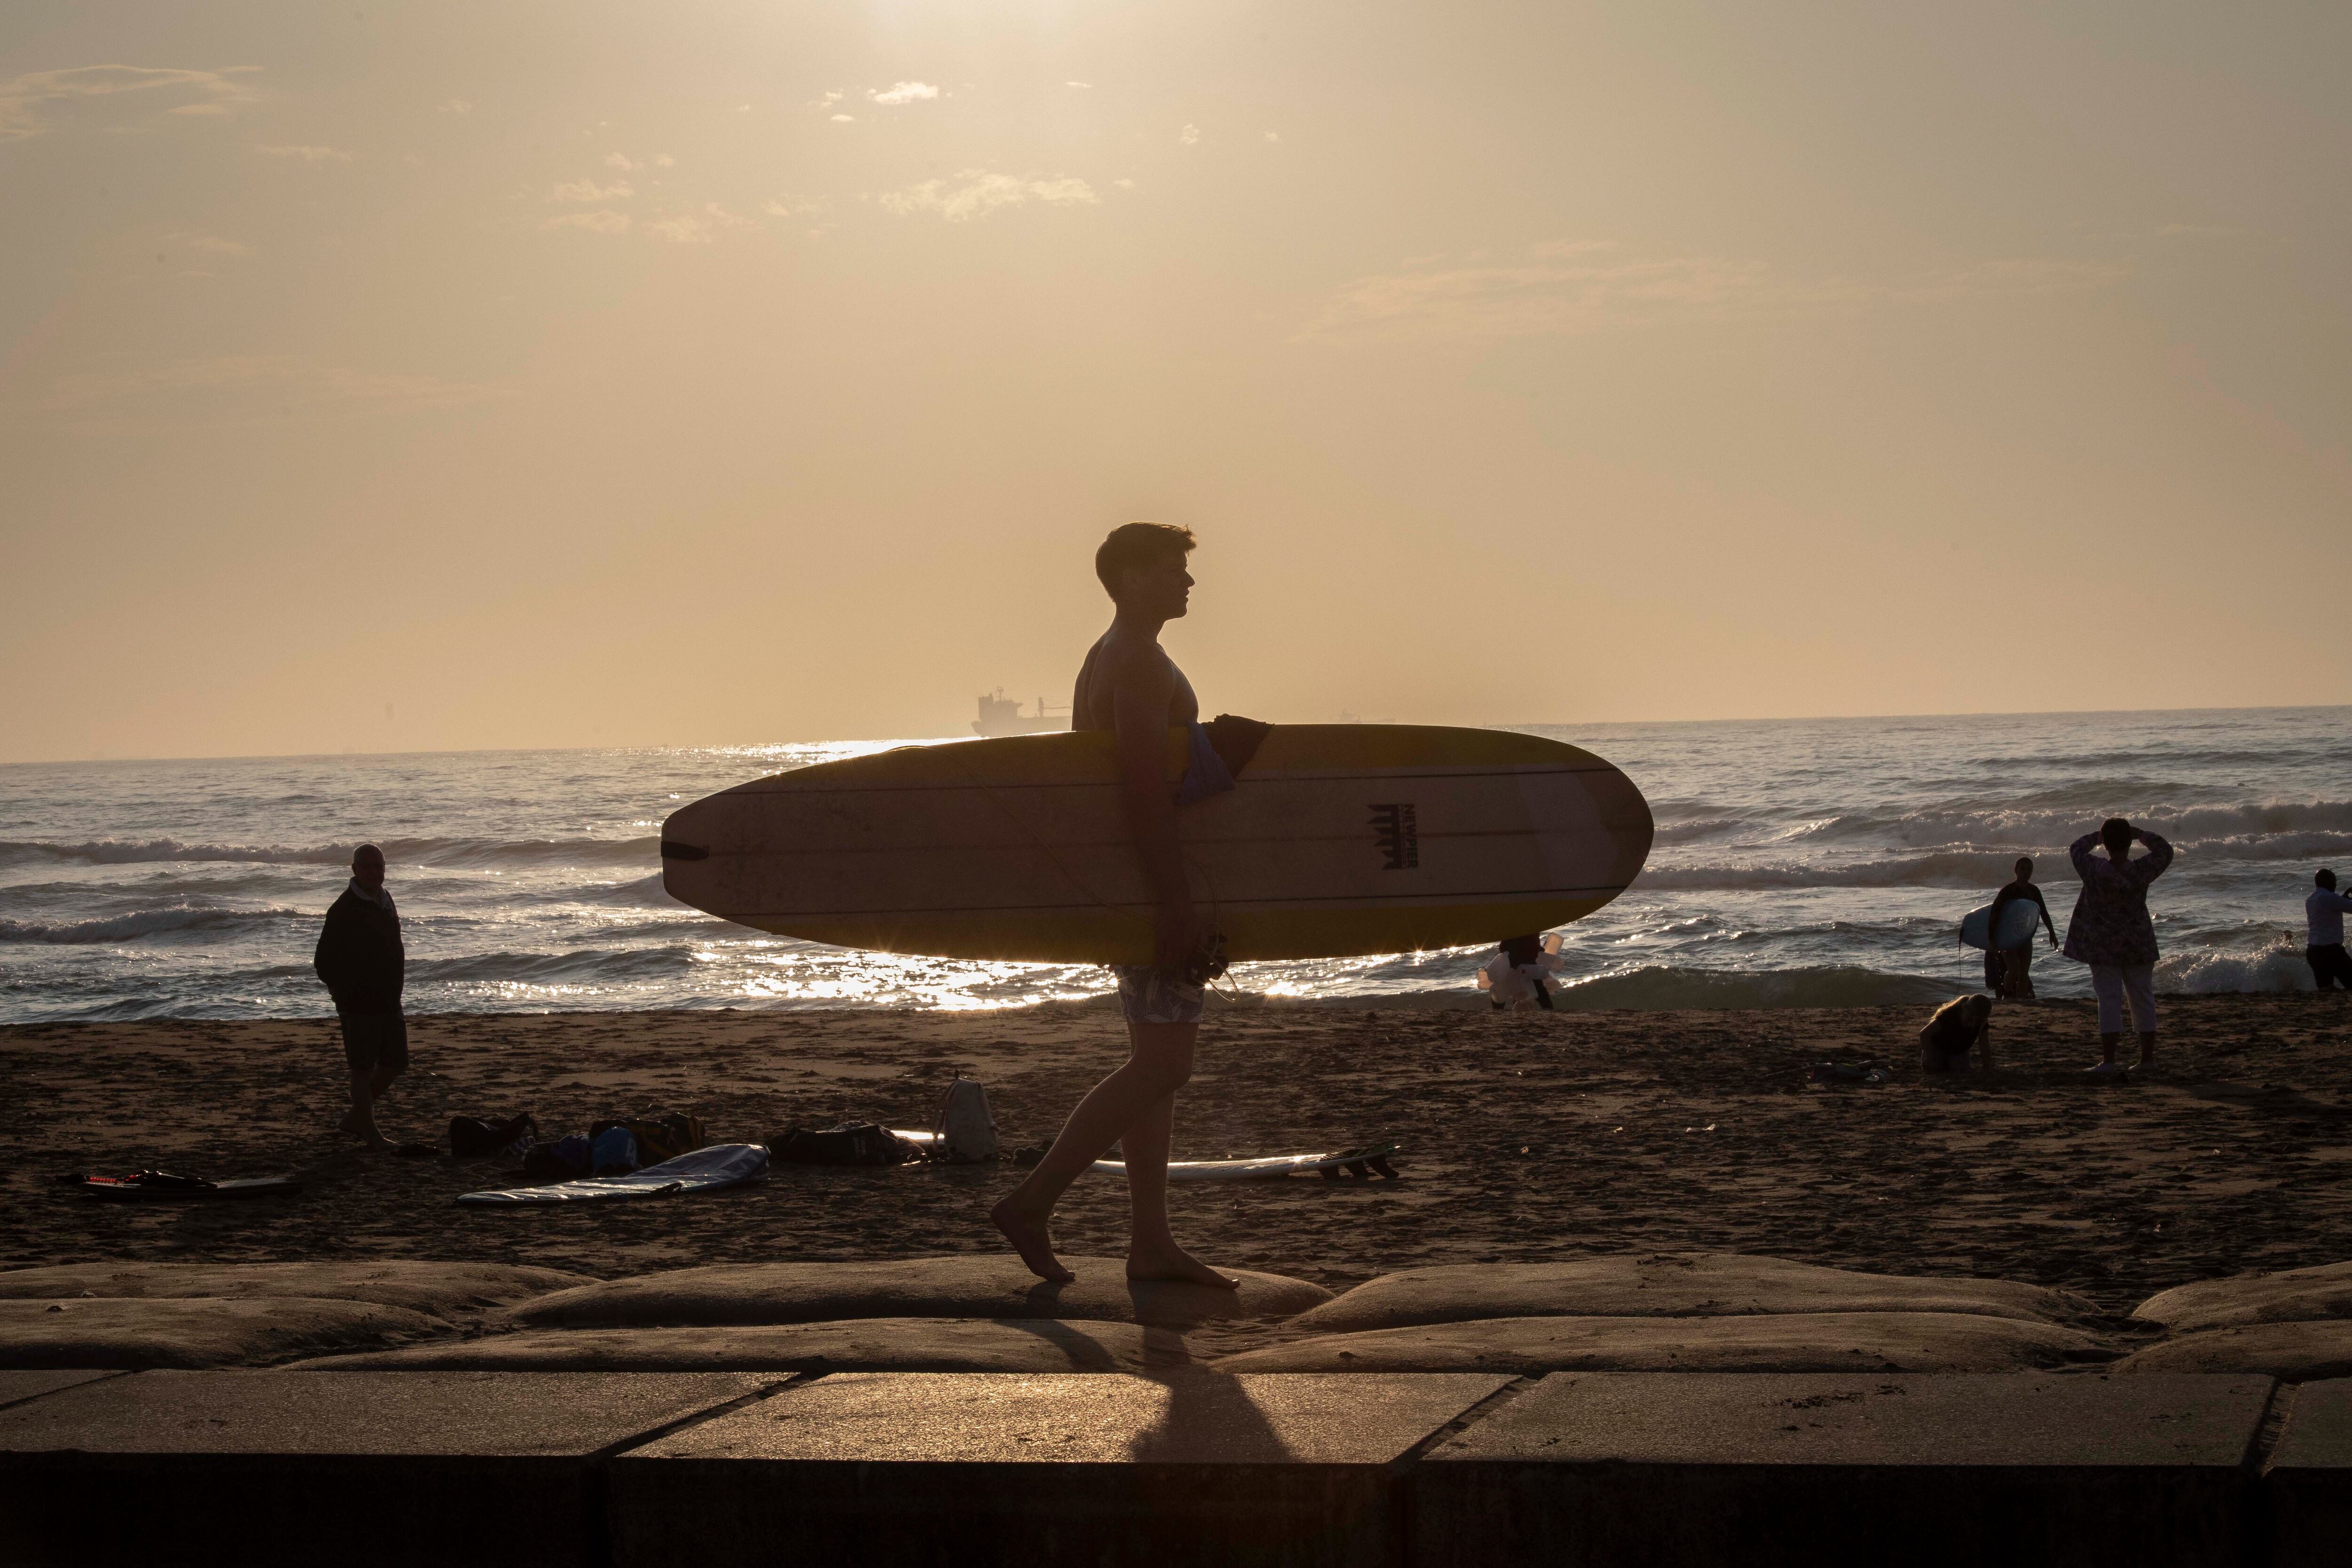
(1356, 1162)
(703, 1170)
(1337, 839)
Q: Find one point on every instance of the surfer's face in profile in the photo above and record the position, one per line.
(1163, 589)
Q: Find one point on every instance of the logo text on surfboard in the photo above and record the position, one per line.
(1399, 836)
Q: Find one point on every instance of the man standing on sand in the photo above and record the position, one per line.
(363, 966)
(2111, 931)
(2324, 910)
(1129, 687)
(2014, 978)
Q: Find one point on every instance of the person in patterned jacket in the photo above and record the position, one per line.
(2112, 933)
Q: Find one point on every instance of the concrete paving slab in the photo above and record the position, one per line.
(453, 1291)
(869, 1344)
(261, 1468)
(1792, 1342)
(1105, 1471)
(172, 1332)
(960, 1285)
(2307, 1486)
(15, 1387)
(2291, 1352)
(2298, 1295)
(1669, 1285)
(1616, 1469)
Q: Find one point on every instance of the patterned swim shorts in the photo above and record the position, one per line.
(1153, 995)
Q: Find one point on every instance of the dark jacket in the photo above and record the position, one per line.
(360, 957)
(2111, 923)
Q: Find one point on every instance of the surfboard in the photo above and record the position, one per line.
(1338, 839)
(1357, 1162)
(703, 1170)
(131, 1189)
(2017, 923)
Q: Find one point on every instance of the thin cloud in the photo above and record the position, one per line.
(606, 222)
(844, 118)
(307, 155)
(584, 191)
(212, 245)
(695, 228)
(904, 92)
(1189, 136)
(976, 193)
(1274, 136)
(1569, 287)
(280, 379)
(35, 103)
(620, 161)
(1081, 86)
(455, 106)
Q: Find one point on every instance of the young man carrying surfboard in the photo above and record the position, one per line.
(1129, 685)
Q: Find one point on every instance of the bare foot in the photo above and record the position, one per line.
(350, 1123)
(1172, 1262)
(1028, 1235)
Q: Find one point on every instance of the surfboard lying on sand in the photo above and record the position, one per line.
(1362, 1163)
(1337, 839)
(181, 1189)
(2017, 923)
(702, 1170)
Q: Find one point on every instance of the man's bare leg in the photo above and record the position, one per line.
(362, 1120)
(1151, 1250)
(1159, 1064)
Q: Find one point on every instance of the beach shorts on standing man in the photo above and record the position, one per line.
(1148, 994)
(373, 1041)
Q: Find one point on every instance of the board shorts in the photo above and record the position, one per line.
(374, 1041)
(2329, 963)
(1148, 994)
(2113, 985)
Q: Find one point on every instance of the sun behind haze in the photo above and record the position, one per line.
(425, 376)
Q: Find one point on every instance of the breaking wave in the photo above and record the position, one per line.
(1659, 988)
(438, 852)
(184, 921)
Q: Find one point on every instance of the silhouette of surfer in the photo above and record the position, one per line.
(1131, 687)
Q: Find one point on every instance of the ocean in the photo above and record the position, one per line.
(1798, 863)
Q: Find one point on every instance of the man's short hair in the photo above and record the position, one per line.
(2116, 833)
(364, 850)
(1133, 544)
(2326, 879)
(2025, 865)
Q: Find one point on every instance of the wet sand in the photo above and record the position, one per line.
(1528, 1136)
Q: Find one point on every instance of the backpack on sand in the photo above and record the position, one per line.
(967, 1131)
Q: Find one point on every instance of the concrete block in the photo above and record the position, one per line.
(2291, 1352)
(2307, 1487)
(1617, 1468)
(1669, 1285)
(1780, 1342)
(1096, 1469)
(867, 1345)
(960, 1285)
(2297, 1295)
(174, 1332)
(16, 1387)
(452, 1290)
(250, 1468)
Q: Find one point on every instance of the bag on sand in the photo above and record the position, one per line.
(867, 1143)
(967, 1131)
(471, 1137)
(665, 1134)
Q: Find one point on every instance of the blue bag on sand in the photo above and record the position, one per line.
(616, 1152)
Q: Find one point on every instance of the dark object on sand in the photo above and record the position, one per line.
(471, 1137)
(164, 1184)
(558, 1159)
(867, 1143)
(1849, 1072)
(416, 1151)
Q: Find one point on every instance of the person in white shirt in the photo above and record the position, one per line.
(2324, 910)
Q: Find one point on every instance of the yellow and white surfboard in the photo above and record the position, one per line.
(1337, 839)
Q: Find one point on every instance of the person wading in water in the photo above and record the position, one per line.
(1129, 687)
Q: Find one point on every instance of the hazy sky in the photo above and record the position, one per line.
(422, 375)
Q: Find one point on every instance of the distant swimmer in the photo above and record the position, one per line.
(2111, 931)
(2007, 969)
(1131, 687)
(2324, 910)
(364, 965)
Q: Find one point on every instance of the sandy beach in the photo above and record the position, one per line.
(1527, 1137)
